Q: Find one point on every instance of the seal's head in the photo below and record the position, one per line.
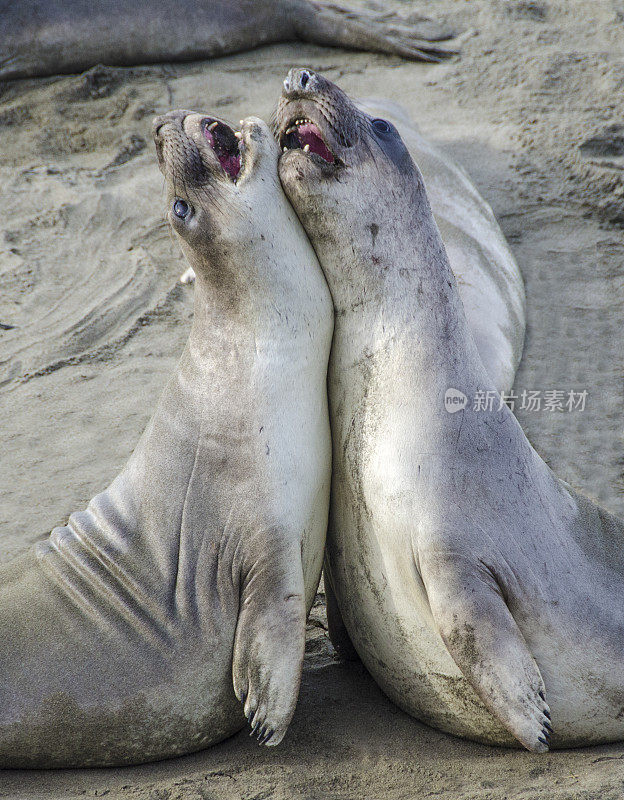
(220, 182)
(348, 175)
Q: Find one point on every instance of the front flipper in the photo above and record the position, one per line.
(269, 645)
(486, 644)
(333, 25)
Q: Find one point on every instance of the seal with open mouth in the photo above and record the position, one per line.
(490, 283)
(55, 37)
(173, 608)
(484, 595)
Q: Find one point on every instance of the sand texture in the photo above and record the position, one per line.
(534, 110)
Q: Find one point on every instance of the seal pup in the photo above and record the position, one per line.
(135, 632)
(484, 595)
(57, 36)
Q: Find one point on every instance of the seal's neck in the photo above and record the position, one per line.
(257, 316)
(408, 300)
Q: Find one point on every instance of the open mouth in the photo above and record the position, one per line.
(303, 134)
(226, 145)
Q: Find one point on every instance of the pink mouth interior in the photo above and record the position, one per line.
(309, 133)
(230, 160)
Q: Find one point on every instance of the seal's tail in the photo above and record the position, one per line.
(419, 39)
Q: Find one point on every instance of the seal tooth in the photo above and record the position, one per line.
(306, 149)
(285, 150)
(212, 126)
(238, 134)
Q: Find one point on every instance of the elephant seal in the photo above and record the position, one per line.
(135, 632)
(484, 595)
(51, 37)
(490, 283)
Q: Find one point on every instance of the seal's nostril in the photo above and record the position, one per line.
(305, 77)
(175, 118)
(287, 85)
(157, 125)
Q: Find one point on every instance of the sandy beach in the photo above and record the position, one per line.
(533, 108)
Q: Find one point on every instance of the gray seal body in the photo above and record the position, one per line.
(484, 595)
(50, 37)
(136, 631)
(488, 278)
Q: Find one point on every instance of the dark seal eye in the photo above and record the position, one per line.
(181, 208)
(381, 125)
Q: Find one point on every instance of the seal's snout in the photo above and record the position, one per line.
(301, 124)
(172, 120)
(315, 116)
(299, 82)
(157, 124)
(172, 117)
